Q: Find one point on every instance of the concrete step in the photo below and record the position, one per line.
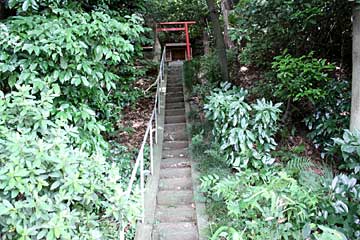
(175, 119)
(175, 132)
(175, 112)
(175, 197)
(174, 99)
(175, 127)
(176, 153)
(169, 145)
(174, 85)
(177, 136)
(175, 94)
(143, 231)
(175, 231)
(175, 173)
(174, 89)
(175, 163)
(175, 214)
(175, 184)
(178, 105)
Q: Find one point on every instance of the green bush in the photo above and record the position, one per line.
(341, 206)
(263, 29)
(301, 78)
(350, 148)
(50, 189)
(245, 132)
(264, 205)
(330, 117)
(86, 56)
(65, 72)
(190, 73)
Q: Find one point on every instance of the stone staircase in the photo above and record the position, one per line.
(175, 214)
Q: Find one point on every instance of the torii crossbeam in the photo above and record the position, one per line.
(184, 26)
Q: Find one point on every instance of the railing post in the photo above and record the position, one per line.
(142, 186)
(151, 150)
(122, 234)
(156, 127)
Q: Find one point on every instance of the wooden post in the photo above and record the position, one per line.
(187, 42)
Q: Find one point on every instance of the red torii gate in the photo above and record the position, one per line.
(184, 27)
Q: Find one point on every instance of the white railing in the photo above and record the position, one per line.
(148, 138)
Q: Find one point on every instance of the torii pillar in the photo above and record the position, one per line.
(184, 27)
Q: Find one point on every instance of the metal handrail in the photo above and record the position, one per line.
(150, 130)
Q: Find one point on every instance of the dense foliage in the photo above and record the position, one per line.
(301, 78)
(288, 199)
(245, 132)
(300, 26)
(66, 70)
(49, 188)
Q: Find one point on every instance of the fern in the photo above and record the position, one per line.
(299, 163)
(208, 182)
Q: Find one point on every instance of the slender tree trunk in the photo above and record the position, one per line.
(2, 9)
(206, 42)
(219, 38)
(355, 100)
(225, 7)
(157, 46)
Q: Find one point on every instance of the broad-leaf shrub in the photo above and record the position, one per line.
(244, 131)
(301, 78)
(87, 56)
(350, 148)
(343, 204)
(50, 189)
(332, 114)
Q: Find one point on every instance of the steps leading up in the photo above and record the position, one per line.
(175, 231)
(181, 183)
(175, 213)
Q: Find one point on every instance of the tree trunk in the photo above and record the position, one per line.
(355, 99)
(225, 7)
(206, 42)
(156, 47)
(219, 38)
(2, 9)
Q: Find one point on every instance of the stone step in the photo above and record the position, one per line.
(174, 99)
(178, 105)
(169, 145)
(175, 132)
(175, 163)
(175, 231)
(175, 197)
(174, 89)
(175, 184)
(174, 80)
(175, 126)
(175, 173)
(175, 112)
(178, 136)
(175, 119)
(175, 214)
(174, 85)
(175, 94)
(176, 153)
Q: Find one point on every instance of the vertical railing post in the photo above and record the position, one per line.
(156, 127)
(151, 150)
(142, 186)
